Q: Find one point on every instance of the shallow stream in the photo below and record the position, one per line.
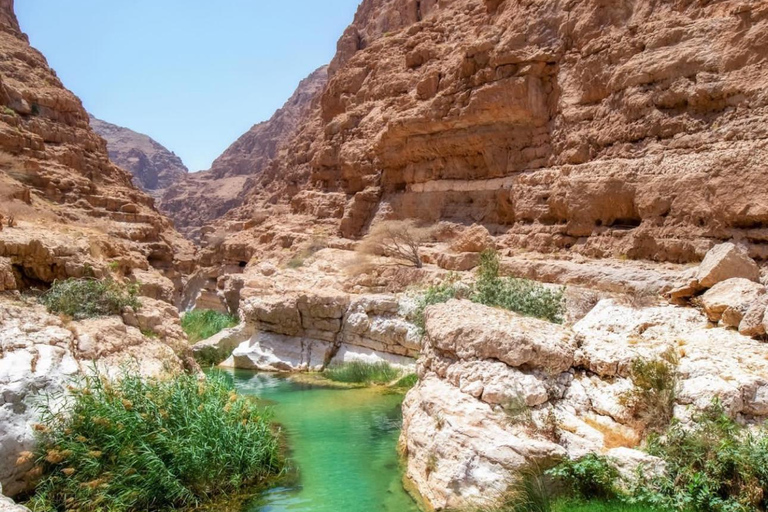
(342, 444)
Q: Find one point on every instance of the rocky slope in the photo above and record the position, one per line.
(206, 196)
(67, 211)
(629, 128)
(153, 166)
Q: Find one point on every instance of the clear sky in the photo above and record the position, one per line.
(193, 74)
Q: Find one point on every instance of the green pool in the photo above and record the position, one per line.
(342, 444)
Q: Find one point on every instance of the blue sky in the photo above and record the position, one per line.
(193, 74)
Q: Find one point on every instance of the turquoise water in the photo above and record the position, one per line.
(343, 445)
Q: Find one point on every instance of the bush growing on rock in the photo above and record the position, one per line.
(398, 239)
(90, 298)
(590, 477)
(202, 324)
(136, 444)
(655, 386)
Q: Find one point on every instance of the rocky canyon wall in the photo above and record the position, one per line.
(632, 128)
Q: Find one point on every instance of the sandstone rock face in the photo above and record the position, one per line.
(603, 129)
(72, 206)
(206, 196)
(730, 299)
(498, 392)
(154, 167)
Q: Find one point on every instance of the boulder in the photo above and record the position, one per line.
(472, 331)
(7, 278)
(730, 300)
(752, 322)
(8, 505)
(474, 239)
(726, 261)
(458, 262)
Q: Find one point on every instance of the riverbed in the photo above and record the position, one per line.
(342, 445)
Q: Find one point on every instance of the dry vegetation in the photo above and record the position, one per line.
(399, 239)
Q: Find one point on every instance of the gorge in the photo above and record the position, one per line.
(588, 185)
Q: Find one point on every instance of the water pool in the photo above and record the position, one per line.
(342, 444)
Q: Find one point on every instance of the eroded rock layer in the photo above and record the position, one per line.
(632, 128)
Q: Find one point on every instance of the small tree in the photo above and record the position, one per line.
(399, 239)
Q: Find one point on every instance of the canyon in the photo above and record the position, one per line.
(614, 148)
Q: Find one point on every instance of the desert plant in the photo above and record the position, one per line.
(436, 294)
(652, 397)
(146, 445)
(712, 465)
(590, 477)
(90, 298)
(522, 296)
(360, 372)
(396, 239)
(407, 381)
(201, 324)
(529, 493)
(517, 411)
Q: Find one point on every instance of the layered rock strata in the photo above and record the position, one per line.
(632, 129)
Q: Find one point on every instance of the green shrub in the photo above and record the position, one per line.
(436, 294)
(145, 445)
(522, 296)
(652, 398)
(359, 372)
(715, 465)
(90, 298)
(590, 477)
(202, 324)
(529, 493)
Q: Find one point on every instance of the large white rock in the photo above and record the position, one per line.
(267, 351)
(473, 331)
(460, 450)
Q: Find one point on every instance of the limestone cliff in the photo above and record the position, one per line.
(206, 196)
(153, 166)
(606, 128)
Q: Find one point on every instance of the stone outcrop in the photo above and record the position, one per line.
(310, 330)
(498, 392)
(623, 129)
(153, 166)
(206, 196)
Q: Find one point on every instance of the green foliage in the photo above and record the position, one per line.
(522, 296)
(407, 381)
(359, 372)
(529, 493)
(716, 465)
(652, 399)
(149, 333)
(8, 111)
(590, 477)
(90, 298)
(436, 294)
(202, 324)
(570, 505)
(146, 445)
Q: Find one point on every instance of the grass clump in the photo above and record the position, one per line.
(590, 477)
(146, 445)
(655, 386)
(407, 381)
(202, 324)
(360, 372)
(90, 298)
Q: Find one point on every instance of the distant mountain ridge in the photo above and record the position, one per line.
(153, 166)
